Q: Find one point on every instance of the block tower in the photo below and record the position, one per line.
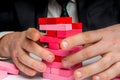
(56, 30)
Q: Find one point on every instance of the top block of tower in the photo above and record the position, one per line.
(61, 20)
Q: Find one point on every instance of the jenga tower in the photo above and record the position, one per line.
(58, 29)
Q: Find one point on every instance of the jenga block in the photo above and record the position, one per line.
(8, 67)
(58, 59)
(52, 33)
(56, 77)
(55, 46)
(58, 27)
(55, 71)
(42, 21)
(59, 52)
(54, 64)
(63, 34)
(76, 25)
(116, 79)
(66, 72)
(48, 39)
(59, 20)
(3, 74)
(48, 70)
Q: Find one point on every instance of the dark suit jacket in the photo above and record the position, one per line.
(19, 15)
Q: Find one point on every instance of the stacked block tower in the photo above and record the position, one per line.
(56, 30)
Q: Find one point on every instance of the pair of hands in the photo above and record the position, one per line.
(104, 42)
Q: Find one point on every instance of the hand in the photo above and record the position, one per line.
(18, 45)
(104, 42)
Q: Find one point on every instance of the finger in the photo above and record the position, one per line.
(33, 34)
(30, 62)
(33, 47)
(81, 39)
(109, 73)
(86, 53)
(94, 68)
(26, 70)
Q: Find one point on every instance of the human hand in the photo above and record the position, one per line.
(104, 42)
(18, 45)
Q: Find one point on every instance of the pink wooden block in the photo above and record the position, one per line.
(56, 77)
(116, 79)
(55, 71)
(3, 74)
(54, 64)
(48, 70)
(58, 27)
(8, 67)
(55, 46)
(63, 34)
(59, 52)
(48, 39)
(66, 72)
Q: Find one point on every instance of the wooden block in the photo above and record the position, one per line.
(55, 46)
(56, 27)
(8, 67)
(59, 52)
(66, 72)
(59, 20)
(64, 34)
(48, 70)
(54, 64)
(55, 71)
(48, 39)
(76, 25)
(3, 74)
(42, 21)
(116, 79)
(56, 77)
(58, 59)
(51, 33)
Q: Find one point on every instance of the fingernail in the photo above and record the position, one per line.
(50, 58)
(78, 74)
(66, 64)
(97, 78)
(65, 44)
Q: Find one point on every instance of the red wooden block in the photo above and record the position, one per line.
(52, 33)
(42, 21)
(55, 46)
(64, 34)
(59, 20)
(76, 25)
(48, 39)
(58, 59)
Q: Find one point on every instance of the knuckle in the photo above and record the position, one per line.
(117, 65)
(87, 53)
